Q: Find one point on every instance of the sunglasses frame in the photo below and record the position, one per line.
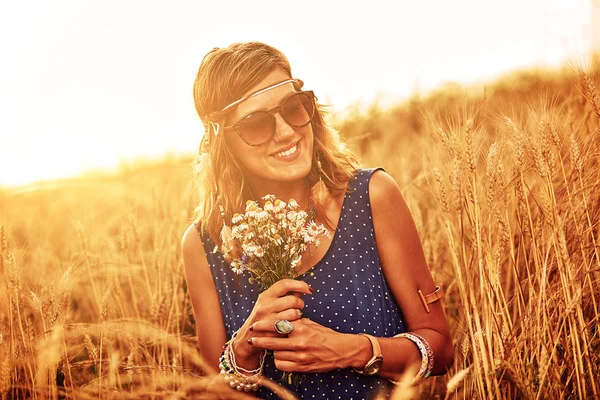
(275, 110)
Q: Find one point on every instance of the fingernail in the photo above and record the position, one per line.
(250, 341)
(311, 290)
(251, 328)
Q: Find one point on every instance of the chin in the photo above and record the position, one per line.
(289, 173)
(282, 170)
(295, 175)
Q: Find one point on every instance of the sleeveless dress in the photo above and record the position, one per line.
(351, 296)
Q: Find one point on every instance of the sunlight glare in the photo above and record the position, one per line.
(93, 83)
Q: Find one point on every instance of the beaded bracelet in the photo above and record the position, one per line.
(255, 371)
(426, 354)
(238, 377)
(429, 354)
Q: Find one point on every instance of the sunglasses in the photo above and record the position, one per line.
(258, 128)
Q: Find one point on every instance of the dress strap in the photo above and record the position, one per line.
(360, 182)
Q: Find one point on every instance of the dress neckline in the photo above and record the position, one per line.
(335, 235)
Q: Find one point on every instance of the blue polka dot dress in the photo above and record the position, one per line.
(351, 296)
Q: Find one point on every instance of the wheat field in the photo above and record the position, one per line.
(504, 185)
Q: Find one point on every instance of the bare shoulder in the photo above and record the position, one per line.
(384, 194)
(194, 257)
(191, 242)
(381, 181)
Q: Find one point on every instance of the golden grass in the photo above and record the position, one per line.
(504, 188)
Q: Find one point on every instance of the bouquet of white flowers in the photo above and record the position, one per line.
(269, 242)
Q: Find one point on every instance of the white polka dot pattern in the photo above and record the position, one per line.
(351, 296)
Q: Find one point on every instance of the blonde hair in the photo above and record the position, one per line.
(223, 77)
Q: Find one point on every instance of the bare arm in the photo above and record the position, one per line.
(406, 271)
(205, 300)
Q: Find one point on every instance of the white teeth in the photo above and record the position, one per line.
(288, 152)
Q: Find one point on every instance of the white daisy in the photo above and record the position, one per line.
(308, 238)
(313, 229)
(295, 262)
(261, 215)
(251, 205)
(268, 206)
(237, 267)
(249, 248)
(277, 239)
(278, 205)
(259, 252)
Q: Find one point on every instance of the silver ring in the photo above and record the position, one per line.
(284, 327)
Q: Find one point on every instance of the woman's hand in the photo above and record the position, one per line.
(280, 302)
(311, 347)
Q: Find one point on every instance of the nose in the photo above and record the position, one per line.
(282, 129)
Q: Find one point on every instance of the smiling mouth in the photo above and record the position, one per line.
(288, 152)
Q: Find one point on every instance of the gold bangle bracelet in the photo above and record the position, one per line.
(430, 298)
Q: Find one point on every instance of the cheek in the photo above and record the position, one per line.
(234, 145)
(243, 154)
(234, 150)
(311, 137)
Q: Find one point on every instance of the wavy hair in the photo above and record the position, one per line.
(225, 74)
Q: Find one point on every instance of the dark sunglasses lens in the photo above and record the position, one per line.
(298, 109)
(256, 128)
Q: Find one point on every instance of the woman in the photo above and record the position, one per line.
(363, 308)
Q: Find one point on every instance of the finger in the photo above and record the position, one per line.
(292, 366)
(265, 333)
(269, 325)
(274, 343)
(289, 366)
(283, 286)
(285, 303)
(263, 326)
(291, 314)
(294, 356)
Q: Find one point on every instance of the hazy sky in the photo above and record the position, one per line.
(85, 83)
